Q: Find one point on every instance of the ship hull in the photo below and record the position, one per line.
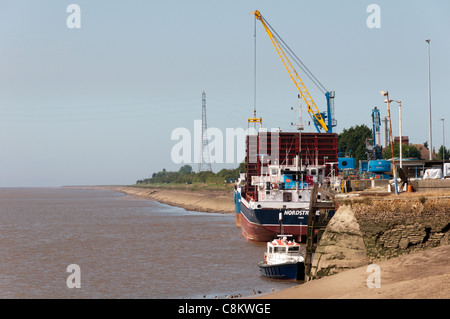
(263, 224)
(286, 271)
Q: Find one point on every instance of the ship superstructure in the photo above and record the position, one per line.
(273, 195)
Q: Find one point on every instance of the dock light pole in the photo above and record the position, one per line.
(443, 143)
(386, 94)
(429, 99)
(400, 128)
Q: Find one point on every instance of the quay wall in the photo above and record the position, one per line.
(433, 185)
(367, 230)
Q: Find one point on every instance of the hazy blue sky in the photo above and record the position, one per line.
(97, 105)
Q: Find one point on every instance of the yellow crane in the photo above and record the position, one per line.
(310, 104)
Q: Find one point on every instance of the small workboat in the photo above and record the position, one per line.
(284, 259)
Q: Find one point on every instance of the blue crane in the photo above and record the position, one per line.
(373, 145)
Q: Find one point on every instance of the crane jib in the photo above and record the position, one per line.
(311, 105)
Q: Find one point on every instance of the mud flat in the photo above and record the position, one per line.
(210, 201)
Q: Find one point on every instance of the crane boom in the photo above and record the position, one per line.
(311, 105)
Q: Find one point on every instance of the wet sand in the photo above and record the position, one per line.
(420, 275)
(210, 201)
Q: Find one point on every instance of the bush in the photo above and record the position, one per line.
(185, 175)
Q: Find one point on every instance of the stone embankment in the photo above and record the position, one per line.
(370, 229)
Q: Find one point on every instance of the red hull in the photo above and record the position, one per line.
(260, 233)
(237, 220)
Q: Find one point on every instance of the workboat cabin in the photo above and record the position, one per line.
(283, 251)
(284, 259)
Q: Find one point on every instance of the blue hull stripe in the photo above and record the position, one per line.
(266, 217)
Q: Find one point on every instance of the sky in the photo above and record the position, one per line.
(97, 105)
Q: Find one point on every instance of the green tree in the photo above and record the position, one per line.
(408, 151)
(185, 169)
(241, 167)
(186, 175)
(443, 151)
(353, 141)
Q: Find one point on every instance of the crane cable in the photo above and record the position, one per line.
(296, 59)
(254, 75)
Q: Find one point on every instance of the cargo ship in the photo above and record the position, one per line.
(272, 197)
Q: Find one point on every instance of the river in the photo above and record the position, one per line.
(124, 247)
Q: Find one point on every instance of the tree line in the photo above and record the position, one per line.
(186, 175)
(351, 142)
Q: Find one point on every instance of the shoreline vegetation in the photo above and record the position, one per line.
(186, 175)
(204, 191)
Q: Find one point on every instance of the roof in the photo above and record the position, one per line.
(424, 152)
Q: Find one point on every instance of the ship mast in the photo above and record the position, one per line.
(298, 156)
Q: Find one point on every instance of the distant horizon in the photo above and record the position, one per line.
(92, 97)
